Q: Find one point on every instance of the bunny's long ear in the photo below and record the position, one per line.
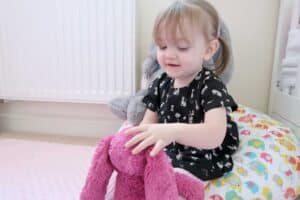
(99, 173)
(159, 178)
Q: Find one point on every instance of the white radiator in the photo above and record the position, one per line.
(67, 50)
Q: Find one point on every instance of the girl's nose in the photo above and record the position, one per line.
(171, 54)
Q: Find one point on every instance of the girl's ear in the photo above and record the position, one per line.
(211, 49)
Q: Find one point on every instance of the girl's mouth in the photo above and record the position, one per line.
(172, 65)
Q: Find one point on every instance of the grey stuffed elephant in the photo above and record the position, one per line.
(132, 108)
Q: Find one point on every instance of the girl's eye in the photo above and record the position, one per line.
(183, 48)
(162, 47)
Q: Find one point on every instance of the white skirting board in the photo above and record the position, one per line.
(86, 120)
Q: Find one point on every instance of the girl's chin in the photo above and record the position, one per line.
(173, 69)
(173, 74)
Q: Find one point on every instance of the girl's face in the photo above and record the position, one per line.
(181, 57)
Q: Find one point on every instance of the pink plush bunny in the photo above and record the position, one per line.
(140, 177)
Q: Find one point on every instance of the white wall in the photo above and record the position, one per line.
(252, 24)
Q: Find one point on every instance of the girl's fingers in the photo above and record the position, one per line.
(160, 144)
(136, 139)
(143, 145)
(135, 129)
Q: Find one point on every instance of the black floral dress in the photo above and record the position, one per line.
(188, 105)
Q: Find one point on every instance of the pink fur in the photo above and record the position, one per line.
(140, 177)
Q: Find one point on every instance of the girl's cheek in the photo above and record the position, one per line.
(160, 59)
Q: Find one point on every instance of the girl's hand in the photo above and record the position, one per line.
(160, 135)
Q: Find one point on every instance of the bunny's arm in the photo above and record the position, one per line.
(99, 173)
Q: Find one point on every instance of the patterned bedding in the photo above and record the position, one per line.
(267, 164)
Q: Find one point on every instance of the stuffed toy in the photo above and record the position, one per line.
(139, 176)
(132, 109)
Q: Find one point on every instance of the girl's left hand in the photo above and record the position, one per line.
(160, 135)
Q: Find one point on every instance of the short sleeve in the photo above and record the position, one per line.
(214, 94)
(152, 98)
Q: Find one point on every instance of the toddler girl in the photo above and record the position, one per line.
(188, 106)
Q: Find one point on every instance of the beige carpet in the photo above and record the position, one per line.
(40, 170)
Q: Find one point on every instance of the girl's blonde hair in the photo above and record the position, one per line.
(198, 13)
